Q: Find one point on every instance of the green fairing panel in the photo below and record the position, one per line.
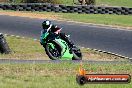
(65, 50)
(43, 37)
(52, 45)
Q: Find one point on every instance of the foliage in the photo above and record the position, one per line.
(43, 1)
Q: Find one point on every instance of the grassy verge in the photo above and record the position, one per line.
(60, 75)
(127, 3)
(105, 19)
(24, 49)
(115, 20)
(30, 49)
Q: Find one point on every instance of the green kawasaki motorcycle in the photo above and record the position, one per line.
(58, 49)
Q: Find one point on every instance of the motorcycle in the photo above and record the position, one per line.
(58, 49)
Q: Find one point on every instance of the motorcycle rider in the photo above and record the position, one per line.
(54, 32)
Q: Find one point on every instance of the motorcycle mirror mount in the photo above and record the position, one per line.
(61, 28)
(68, 36)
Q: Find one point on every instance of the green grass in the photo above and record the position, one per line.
(118, 20)
(106, 19)
(24, 49)
(67, 2)
(59, 75)
(126, 3)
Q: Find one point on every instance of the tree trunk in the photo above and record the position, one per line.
(83, 2)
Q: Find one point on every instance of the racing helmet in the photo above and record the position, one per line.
(46, 24)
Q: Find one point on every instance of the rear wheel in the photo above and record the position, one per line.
(53, 50)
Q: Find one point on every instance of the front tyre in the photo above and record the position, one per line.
(77, 55)
(53, 50)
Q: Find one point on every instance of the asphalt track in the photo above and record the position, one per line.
(103, 38)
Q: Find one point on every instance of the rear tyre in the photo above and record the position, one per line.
(53, 53)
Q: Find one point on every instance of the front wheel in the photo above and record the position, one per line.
(53, 50)
(77, 55)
